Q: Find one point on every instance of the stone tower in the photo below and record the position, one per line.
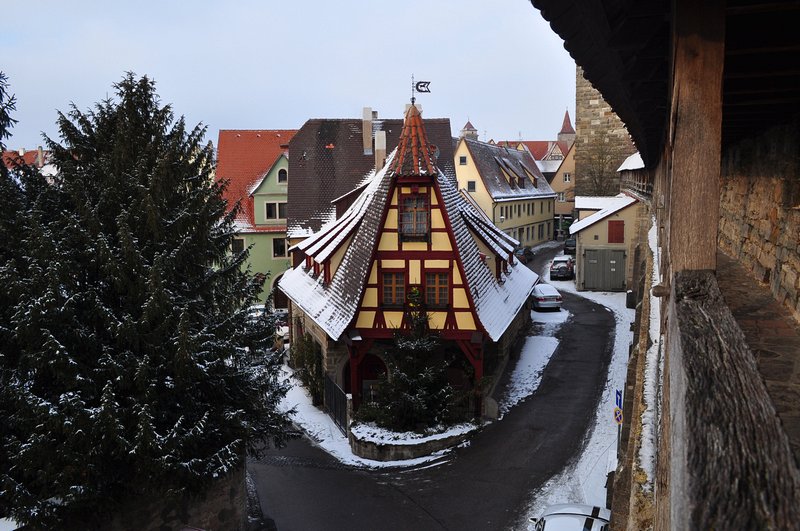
(602, 142)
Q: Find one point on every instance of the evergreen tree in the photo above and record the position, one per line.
(126, 365)
(415, 394)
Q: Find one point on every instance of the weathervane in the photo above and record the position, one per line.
(419, 86)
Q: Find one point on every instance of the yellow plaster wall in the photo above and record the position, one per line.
(437, 219)
(393, 319)
(464, 321)
(440, 241)
(436, 320)
(415, 246)
(370, 297)
(414, 276)
(469, 172)
(558, 184)
(393, 264)
(365, 319)
(460, 299)
(373, 274)
(388, 241)
(437, 264)
(391, 219)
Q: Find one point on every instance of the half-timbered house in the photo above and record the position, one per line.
(410, 229)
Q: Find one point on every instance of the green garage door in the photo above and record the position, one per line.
(604, 270)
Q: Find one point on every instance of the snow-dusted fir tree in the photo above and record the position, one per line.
(415, 394)
(125, 370)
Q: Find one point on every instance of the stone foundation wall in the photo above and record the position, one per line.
(760, 210)
(224, 506)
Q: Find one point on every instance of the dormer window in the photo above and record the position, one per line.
(283, 176)
(414, 217)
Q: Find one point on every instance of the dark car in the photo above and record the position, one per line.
(569, 246)
(523, 254)
(562, 268)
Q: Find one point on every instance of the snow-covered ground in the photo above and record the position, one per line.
(584, 480)
(581, 482)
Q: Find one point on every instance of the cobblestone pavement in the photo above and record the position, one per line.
(774, 337)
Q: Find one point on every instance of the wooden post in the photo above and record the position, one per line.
(696, 131)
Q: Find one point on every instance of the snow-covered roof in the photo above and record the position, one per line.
(622, 202)
(549, 166)
(594, 202)
(634, 162)
(333, 306)
(508, 174)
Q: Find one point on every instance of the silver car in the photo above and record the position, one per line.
(546, 296)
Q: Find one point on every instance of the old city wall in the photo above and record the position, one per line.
(599, 134)
(760, 210)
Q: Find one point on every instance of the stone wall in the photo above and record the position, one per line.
(760, 210)
(223, 506)
(600, 134)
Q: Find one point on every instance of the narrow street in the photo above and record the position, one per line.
(483, 485)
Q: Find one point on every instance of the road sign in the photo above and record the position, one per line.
(618, 415)
(619, 399)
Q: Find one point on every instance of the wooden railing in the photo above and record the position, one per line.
(637, 183)
(730, 463)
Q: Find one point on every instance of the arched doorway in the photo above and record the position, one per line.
(370, 371)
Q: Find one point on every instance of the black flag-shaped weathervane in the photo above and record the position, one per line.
(422, 86)
(419, 86)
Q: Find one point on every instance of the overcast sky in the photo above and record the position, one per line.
(274, 64)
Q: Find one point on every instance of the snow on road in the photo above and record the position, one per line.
(581, 482)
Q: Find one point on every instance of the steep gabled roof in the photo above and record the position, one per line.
(334, 305)
(494, 163)
(327, 161)
(243, 158)
(566, 126)
(414, 155)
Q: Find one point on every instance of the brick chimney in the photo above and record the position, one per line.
(380, 150)
(366, 130)
(39, 157)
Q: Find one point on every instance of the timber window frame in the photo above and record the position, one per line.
(393, 288)
(275, 210)
(437, 288)
(280, 245)
(414, 217)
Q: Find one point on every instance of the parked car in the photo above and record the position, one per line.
(523, 254)
(574, 517)
(546, 296)
(562, 268)
(569, 246)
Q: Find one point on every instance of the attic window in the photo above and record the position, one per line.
(414, 217)
(462, 160)
(470, 186)
(283, 176)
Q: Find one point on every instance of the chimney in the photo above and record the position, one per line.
(380, 150)
(39, 157)
(21, 152)
(366, 130)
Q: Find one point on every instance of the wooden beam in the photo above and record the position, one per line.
(696, 115)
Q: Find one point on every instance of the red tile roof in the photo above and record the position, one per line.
(243, 157)
(31, 158)
(538, 148)
(414, 155)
